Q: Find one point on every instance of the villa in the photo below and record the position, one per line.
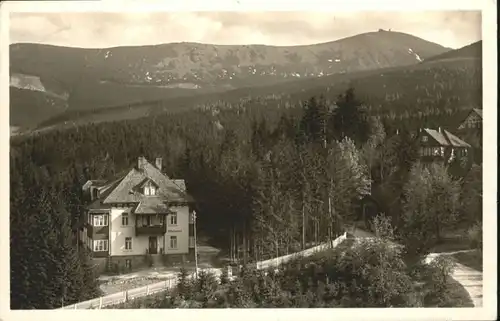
(141, 213)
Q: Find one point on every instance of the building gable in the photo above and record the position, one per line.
(128, 190)
(432, 137)
(473, 120)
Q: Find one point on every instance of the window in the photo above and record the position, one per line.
(100, 245)
(149, 189)
(124, 219)
(436, 151)
(128, 264)
(429, 151)
(173, 219)
(101, 220)
(425, 138)
(191, 241)
(173, 242)
(128, 243)
(161, 218)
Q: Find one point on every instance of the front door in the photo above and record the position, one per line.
(153, 245)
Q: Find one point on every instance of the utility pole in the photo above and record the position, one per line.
(195, 246)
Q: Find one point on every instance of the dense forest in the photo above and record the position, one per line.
(267, 181)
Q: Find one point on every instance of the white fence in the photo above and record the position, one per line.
(121, 297)
(283, 259)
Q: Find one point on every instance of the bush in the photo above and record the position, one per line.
(437, 277)
(475, 236)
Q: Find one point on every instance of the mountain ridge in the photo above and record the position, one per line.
(100, 78)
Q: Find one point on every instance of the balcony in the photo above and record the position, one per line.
(96, 231)
(150, 229)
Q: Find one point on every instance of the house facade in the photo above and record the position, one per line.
(141, 213)
(441, 146)
(471, 129)
(474, 120)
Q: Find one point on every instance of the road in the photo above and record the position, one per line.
(470, 279)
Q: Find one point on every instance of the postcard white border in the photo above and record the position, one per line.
(488, 8)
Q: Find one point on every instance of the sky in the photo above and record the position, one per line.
(452, 29)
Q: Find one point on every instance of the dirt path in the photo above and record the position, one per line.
(470, 279)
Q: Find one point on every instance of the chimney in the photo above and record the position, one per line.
(140, 162)
(439, 129)
(158, 163)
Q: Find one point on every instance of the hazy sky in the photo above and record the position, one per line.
(449, 28)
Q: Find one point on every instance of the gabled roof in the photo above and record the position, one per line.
(437, 136)
(445, 138)
(454, 140)
(124, 190)
(152, 205)
(93, 182)
(146, 181)
(478, 111)
(180, 183)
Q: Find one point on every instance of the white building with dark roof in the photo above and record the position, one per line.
(142, 212)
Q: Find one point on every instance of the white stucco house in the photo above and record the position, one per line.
(142, 212)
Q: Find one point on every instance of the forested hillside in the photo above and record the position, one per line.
(267, 182)
(93, 79)
(438, 88)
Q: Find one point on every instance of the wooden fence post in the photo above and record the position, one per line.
(100, 302)
(75, 305)
(147, 289)
(169, 283)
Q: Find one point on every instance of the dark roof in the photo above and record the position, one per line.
(152, 205)
(445, 138)
(479, 112)
(97, 205)
(439, 137)
(124, 190)
(454, 140)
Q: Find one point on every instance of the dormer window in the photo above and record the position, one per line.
(425, 138)
(150, 189)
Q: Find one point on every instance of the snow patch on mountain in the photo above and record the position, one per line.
(27, 82)
(34, 83)
(410, 51)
